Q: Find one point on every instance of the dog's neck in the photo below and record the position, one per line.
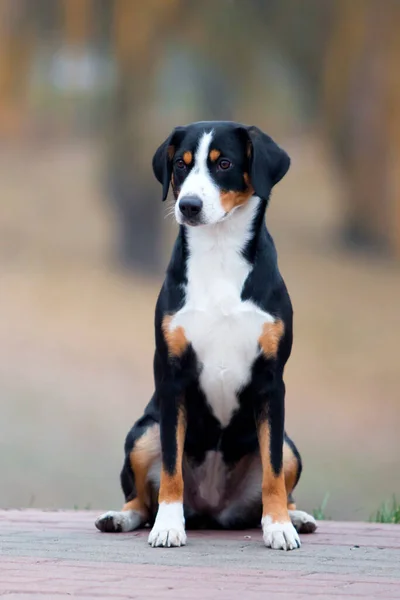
(216, 258)
(235, 234)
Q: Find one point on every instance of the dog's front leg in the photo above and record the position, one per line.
(278, 531)
(169, 526)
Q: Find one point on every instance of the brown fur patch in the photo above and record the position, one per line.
(214, 155)
(274, 496)
(231, 199)
(270, 337)
(171, 152)
(135, 505)
(291, 506)
(142, 456)
(175, 338)
(171, 486)
(291, 468)
(187, 157)
(249, 149)
(175, 190)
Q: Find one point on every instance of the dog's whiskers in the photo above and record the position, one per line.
(170, 211)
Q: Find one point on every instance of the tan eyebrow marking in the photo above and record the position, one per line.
(187, 157)
(214, 155)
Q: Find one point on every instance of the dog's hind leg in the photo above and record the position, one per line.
(142, 449)
(302, 521)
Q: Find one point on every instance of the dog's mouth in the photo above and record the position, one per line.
(191, 222)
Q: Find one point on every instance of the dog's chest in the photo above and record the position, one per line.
(222, 329)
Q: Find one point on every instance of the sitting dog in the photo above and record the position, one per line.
(210, 449)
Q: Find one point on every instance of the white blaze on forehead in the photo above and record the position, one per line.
(200, 183)
(202, 152)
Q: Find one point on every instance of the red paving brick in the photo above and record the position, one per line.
(61, 555)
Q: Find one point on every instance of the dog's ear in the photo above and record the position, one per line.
(268, 162)
(163, 159)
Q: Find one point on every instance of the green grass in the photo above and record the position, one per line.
(388, 512)
(319, 513)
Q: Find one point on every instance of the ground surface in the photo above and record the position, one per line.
(60, 554)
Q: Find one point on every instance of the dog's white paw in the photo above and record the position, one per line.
(302, 521)
(118, 521)
(169, 527)
(279, 536)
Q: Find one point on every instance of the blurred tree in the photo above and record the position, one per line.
(361, 112)
(15, 52)
(139, 31)
(141, 36)
(77, 18)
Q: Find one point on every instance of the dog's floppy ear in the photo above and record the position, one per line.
(163, 159)
(268, 162)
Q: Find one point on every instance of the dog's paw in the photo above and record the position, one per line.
(169, 527)
(280, 536)
(302, 521)
(167, 538)
(116, 522)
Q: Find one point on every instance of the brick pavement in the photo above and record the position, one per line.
(61, 555)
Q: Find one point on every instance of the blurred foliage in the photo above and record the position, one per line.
(131, 70)
(389, 512)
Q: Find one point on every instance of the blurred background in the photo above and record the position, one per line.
(88, 90)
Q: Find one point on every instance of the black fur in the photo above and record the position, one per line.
(255, 153)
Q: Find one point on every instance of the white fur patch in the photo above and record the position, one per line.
(279, 536)
(169, 527)
(302, 521)
(115, 521)
(222, 329)
(200, 183)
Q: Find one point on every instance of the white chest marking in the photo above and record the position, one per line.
(222, 329)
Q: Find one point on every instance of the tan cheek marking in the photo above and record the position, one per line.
(175, 338)
(230, 200)
(270, 337)
(175, 190)
(187, 157)
(274, 497)
(214, 155)
(171, 486)
(145, 451)
(171, 152)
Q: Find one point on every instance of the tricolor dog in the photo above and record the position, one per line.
(210, 449)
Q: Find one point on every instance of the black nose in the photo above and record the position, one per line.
(190, 206)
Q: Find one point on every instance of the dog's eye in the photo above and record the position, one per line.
(180, 164)
(224, 164)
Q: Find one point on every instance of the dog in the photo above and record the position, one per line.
(210, 449)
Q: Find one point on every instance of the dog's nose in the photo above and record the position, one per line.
(190, 206)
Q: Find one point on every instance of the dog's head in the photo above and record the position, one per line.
(214, 168)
